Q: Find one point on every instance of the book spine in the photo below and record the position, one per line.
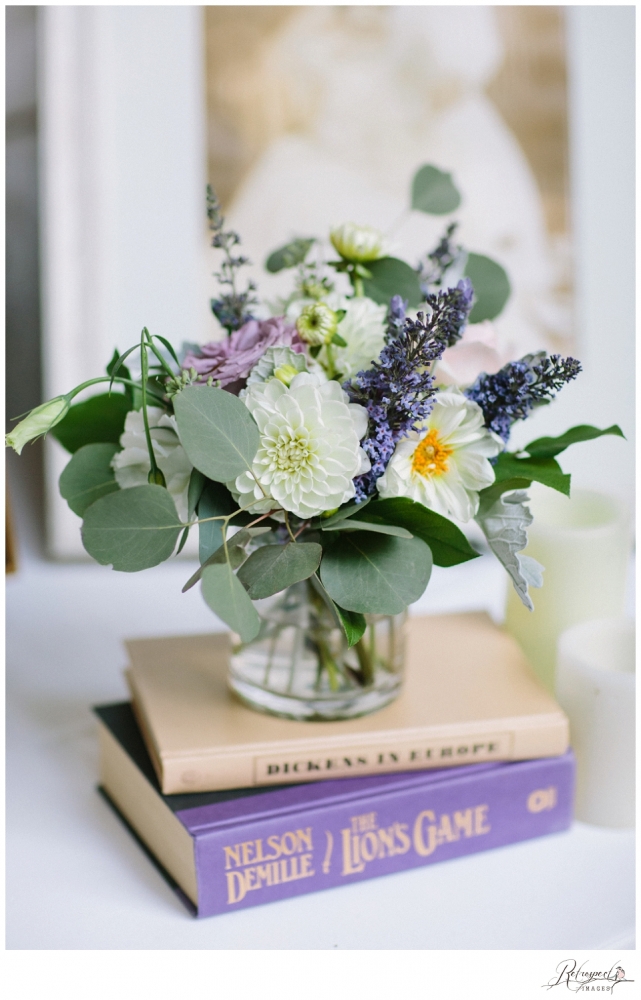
(248, 864)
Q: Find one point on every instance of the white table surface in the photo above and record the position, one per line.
(77, 880)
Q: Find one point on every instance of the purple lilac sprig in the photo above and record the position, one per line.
(512, 393)
(232, 309)
(442, 257)
(398, 390)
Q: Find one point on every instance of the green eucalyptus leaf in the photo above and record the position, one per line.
(448, 543)
(362, 524)
(98, 420)
(132, 529)
(227, 598)
(217, 431)
(197, 483)
(376, 574)
(434, 191)
(354, 624)
(183, 540)
(491, 287)
(234, 554)
(347, 511)
(548, 447)
(540, 470)
(215, 501)
(290, 255)
(391, 276)
(88, 476)
(272, 568)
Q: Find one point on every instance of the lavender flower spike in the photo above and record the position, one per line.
(513, 392)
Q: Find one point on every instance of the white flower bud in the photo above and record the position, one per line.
(37, 423)
(358, 244)
(317, 324)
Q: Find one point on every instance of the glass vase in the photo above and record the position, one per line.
(299, 665)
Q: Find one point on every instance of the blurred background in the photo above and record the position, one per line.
(302, 117)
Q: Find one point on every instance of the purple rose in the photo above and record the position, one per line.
(231, 360)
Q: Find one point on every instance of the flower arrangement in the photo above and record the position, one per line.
(331, 441)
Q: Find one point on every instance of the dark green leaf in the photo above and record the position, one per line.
(376, 574)
(491, 287)
(353, 623)
(88, 476)
(272, 568)
(197, 483)
(216, 501)
(448, 543)
(166, 344)
(433, 191)
(548, 447)
(98, 420)
(123, 370)
(540, 470)
(183, 540)
(217, 431)
(288, 256)
(362, 524)
(338, 340)
(132, 529)
(391, 276)
(226, 596)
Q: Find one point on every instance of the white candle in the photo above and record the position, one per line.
(583, 543)
(596, 688)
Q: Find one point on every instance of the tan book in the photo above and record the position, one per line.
(469, 696)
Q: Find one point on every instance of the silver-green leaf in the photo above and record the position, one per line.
(227, 598)
(88, 476)
(132, 529)
(217, 431)
(504, 525)
(272, 568)
(434, 191)
(376, 574)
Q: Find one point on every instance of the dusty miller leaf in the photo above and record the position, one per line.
(504, 525)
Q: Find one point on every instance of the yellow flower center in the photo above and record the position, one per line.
(431, 455)
(292, 455)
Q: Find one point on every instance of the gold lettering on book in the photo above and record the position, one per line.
(251, 864)
(363, 843)
(373, 760)
(430, 832)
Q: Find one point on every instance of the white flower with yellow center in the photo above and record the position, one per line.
(358, 244)
(309, 451)
(131, 465)
(445, 464)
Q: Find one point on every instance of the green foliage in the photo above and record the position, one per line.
(290, 255)
(347, 511)
(376, 574)
(132, 529)
(540, 470)
(226, 596)
(390, 276)
(434, 192)
(98, 420)
(548, 447)
(272, 568)
(197, 483)
(215, 501)
(349, 524)
(217, 431)
(448, 543)
(88, 476)
(234, 554)
(491, 287)
(354, 625)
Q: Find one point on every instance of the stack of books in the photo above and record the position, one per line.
(238, 808)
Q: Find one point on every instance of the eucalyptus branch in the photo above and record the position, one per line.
(291, 534)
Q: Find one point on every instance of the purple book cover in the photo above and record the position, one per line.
(253, 846)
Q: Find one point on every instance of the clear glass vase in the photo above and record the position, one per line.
(299, 666)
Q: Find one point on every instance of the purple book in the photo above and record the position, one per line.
(230, 850)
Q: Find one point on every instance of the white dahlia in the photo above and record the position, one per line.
(358, 244)
(309, 449)
(445, 464)
(132, 465)
(363, 329)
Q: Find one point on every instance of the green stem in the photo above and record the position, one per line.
(153, 347)
(331, 367)
(107, 378)
(155, 475)
(357, 284)
(365, 662)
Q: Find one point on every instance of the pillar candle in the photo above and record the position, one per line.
(583, 544)
(596, 688)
